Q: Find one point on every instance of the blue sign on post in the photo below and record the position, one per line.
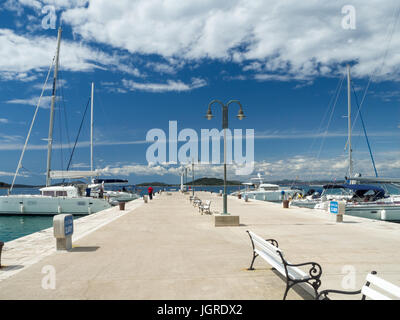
(334, 207)
(68, 225)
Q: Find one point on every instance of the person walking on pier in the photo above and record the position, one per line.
(150, 192)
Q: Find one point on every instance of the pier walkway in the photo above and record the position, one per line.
(166, 249)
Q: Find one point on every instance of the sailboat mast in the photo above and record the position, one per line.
(91, 129)
(349, 121)
(53, 99)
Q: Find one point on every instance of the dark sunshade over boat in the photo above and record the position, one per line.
(359, 189)
(99, 181)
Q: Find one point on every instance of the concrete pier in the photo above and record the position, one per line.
(165, 249)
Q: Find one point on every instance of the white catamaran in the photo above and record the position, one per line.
(52, 199)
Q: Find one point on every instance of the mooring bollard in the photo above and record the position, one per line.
(285, 204)
(121, 205)
(63, 227)
(246, 198)
(1, 248)
(239, 196)
(145, 198)
(337, 208)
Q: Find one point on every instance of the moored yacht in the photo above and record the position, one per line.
(367, 201)
(53, 199)
(266, 191)
(329, 192)
(123, 194)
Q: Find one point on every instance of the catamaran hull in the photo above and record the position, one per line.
(303, 204)
(383, 212)
(115, 198)
(39, 205)
(386, 213)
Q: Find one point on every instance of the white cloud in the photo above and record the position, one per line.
(271, 135)
(11, 174)
(298, 39)
(6, 138)
(44, 102)
(161, 67)
(49, 85)
(8, 143)
(170, 85)
(16, 64)
(272, 40)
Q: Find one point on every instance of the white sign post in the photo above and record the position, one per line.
(337, 208)
(63, 227)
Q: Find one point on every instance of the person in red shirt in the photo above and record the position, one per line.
(150, 192)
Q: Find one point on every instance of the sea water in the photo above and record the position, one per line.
(17, 226)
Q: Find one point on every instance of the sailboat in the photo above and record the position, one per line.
(98, 185)
(366, 201)
(53, 199)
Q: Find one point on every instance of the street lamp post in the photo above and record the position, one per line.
(192, 178)
(185, 179)
(240, 116)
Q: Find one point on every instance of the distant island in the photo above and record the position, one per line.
(212, 182)
(4, 185)
(155, 184)
(198, 182)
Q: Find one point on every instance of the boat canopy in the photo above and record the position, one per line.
(73, 174)
(359, 189)
(375, 180)
(110, 181)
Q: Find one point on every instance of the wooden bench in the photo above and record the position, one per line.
(367, 292)
(205, 207)
(269, 251)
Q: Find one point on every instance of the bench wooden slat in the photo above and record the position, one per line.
(372, 294)
(263, 243)
(271, 249)
(384, 285)
(273, 262)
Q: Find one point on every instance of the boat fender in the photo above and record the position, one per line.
(383, 215)
(22, 208)
(89, 210)
(59, 210)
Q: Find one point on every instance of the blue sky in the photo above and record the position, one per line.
(158, 61)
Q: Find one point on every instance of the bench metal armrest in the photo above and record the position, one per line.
(324, 294)
(315, 271)
(273, 242)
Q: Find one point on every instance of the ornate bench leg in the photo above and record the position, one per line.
(255, 255)
(315, 285)
(288, 286)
